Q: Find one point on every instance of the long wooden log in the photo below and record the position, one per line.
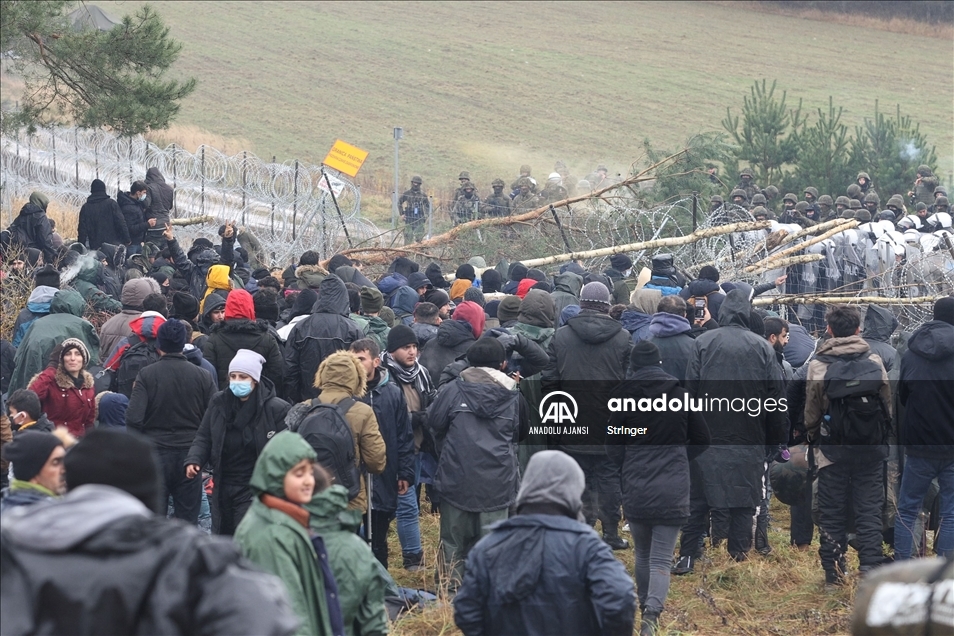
(842, 300)
(783, 262)
(818, 239)
(193, 220)
(815, 229)
(698, 235)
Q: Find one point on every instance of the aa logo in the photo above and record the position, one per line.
(558, 407)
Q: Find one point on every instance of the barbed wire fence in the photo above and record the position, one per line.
(287, 205)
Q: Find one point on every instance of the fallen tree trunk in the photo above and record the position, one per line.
(783, 262)
(818, 239)
(842, 300)
(193, 220)
(698, 235)
(815, 229)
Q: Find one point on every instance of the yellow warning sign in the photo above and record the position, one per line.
(345, 158)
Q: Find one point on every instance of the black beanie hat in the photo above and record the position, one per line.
(537, 274)
(486, 352)
(265, 302)
(518, 271)
(709, 273)
(620, 262)
(466, 271)
(47, 275)
(29, 452)
(304, 302)
(260, 273)
(644, 354)
(490, 281)
(338, 260)
(944, 309)
(171, 336)
(97, 186)
(185, 306)
(120, 459)
(400, 336)
(436, 276)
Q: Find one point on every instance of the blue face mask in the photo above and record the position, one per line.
(240, 388)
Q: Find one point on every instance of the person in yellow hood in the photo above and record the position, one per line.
(216, 279)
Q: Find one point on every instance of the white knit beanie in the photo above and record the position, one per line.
(248, 362)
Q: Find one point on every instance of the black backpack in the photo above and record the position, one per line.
(856, 413)
(326, 429)
(134, 359)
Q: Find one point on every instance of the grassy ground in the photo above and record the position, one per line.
(781, 594)
(487, 86)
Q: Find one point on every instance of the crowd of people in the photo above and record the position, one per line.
(303, 410)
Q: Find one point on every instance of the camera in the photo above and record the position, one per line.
(700, 306)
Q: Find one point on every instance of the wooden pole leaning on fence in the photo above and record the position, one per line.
(782, 262)
(842, 300)
(698, 235)
(815, 229)
(847, 225)
(193, 220)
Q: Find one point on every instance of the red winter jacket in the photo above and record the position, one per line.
(63, 403)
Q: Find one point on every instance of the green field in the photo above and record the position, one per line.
(487, 86)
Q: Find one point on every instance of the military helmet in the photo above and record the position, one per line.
(801, 206)
(941, 202)
(464, 176)
(758, 199)
(886, 215)
(940, 190)
(849, 213)
(843, 200)
(759, 211)
(812, 191)
(825, 199)
(746, 172)
(863, 174)
(855, 204)
(854, 190)
(416, 179)
(524, 181)
(771, 192)
(863, 215)
(738, 192)
(715, 198)
(497, 183)
(925, 170)
(872, 197)
(895, 200)
(790, 197)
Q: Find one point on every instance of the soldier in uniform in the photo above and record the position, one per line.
(525, 200)
(855, 193)
(895, 205)
(864, 182)
(842, 203)
(467, 207)
(824, 207)
(771, 194)
(554, 191)
(740, 198)
(715, 202)
(497, 204)
(872, 203)
(789, 201)
(566, 180)
(463, 177)
(940, 191)
(524, 174)
(924, 185)
(415, 208)
(747, 183)
(599, 179)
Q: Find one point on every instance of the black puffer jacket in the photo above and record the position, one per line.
(33, 226)
(101, 221)
(315, 338)
(134, 215)
(161, 197)
(655, 465)
(735, 364)
(926, 389)
(269, 419)
(387, 399)
(452, 341)
(589, 355)
(229, 336)
(158, 575)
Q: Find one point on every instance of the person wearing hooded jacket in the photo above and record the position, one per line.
(619, 273)
(274, 532)
(880, 323)
(88, 283)
(300, 309)
(117, 327)
(132, 205)
(66, 389)
(477, 421)
(159, 202)
(326, 330)
(655, 473)
(101, 220)
(235, 428)
(64, 321)
(588, 356)
(238, 331)
(167, 577)
(734, 363)
(566, 290)
(926, 389)
(454, 338)
(196, 272)
(669, 331)
(543, 571)
(38, 305)
(32, 229)
(637, 316)
(361, 583)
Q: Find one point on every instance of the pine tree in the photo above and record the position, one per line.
(92, 78)
(823, 153)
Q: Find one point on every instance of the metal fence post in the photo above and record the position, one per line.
(202, 179)
(271, 175)
(244, 183)
(295, 204)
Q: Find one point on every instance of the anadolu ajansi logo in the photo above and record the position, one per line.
(558, 407)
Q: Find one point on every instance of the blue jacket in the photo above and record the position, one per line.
(544, 574)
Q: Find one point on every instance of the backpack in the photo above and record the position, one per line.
(856, 415)
(133, 359)
(326, 429)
